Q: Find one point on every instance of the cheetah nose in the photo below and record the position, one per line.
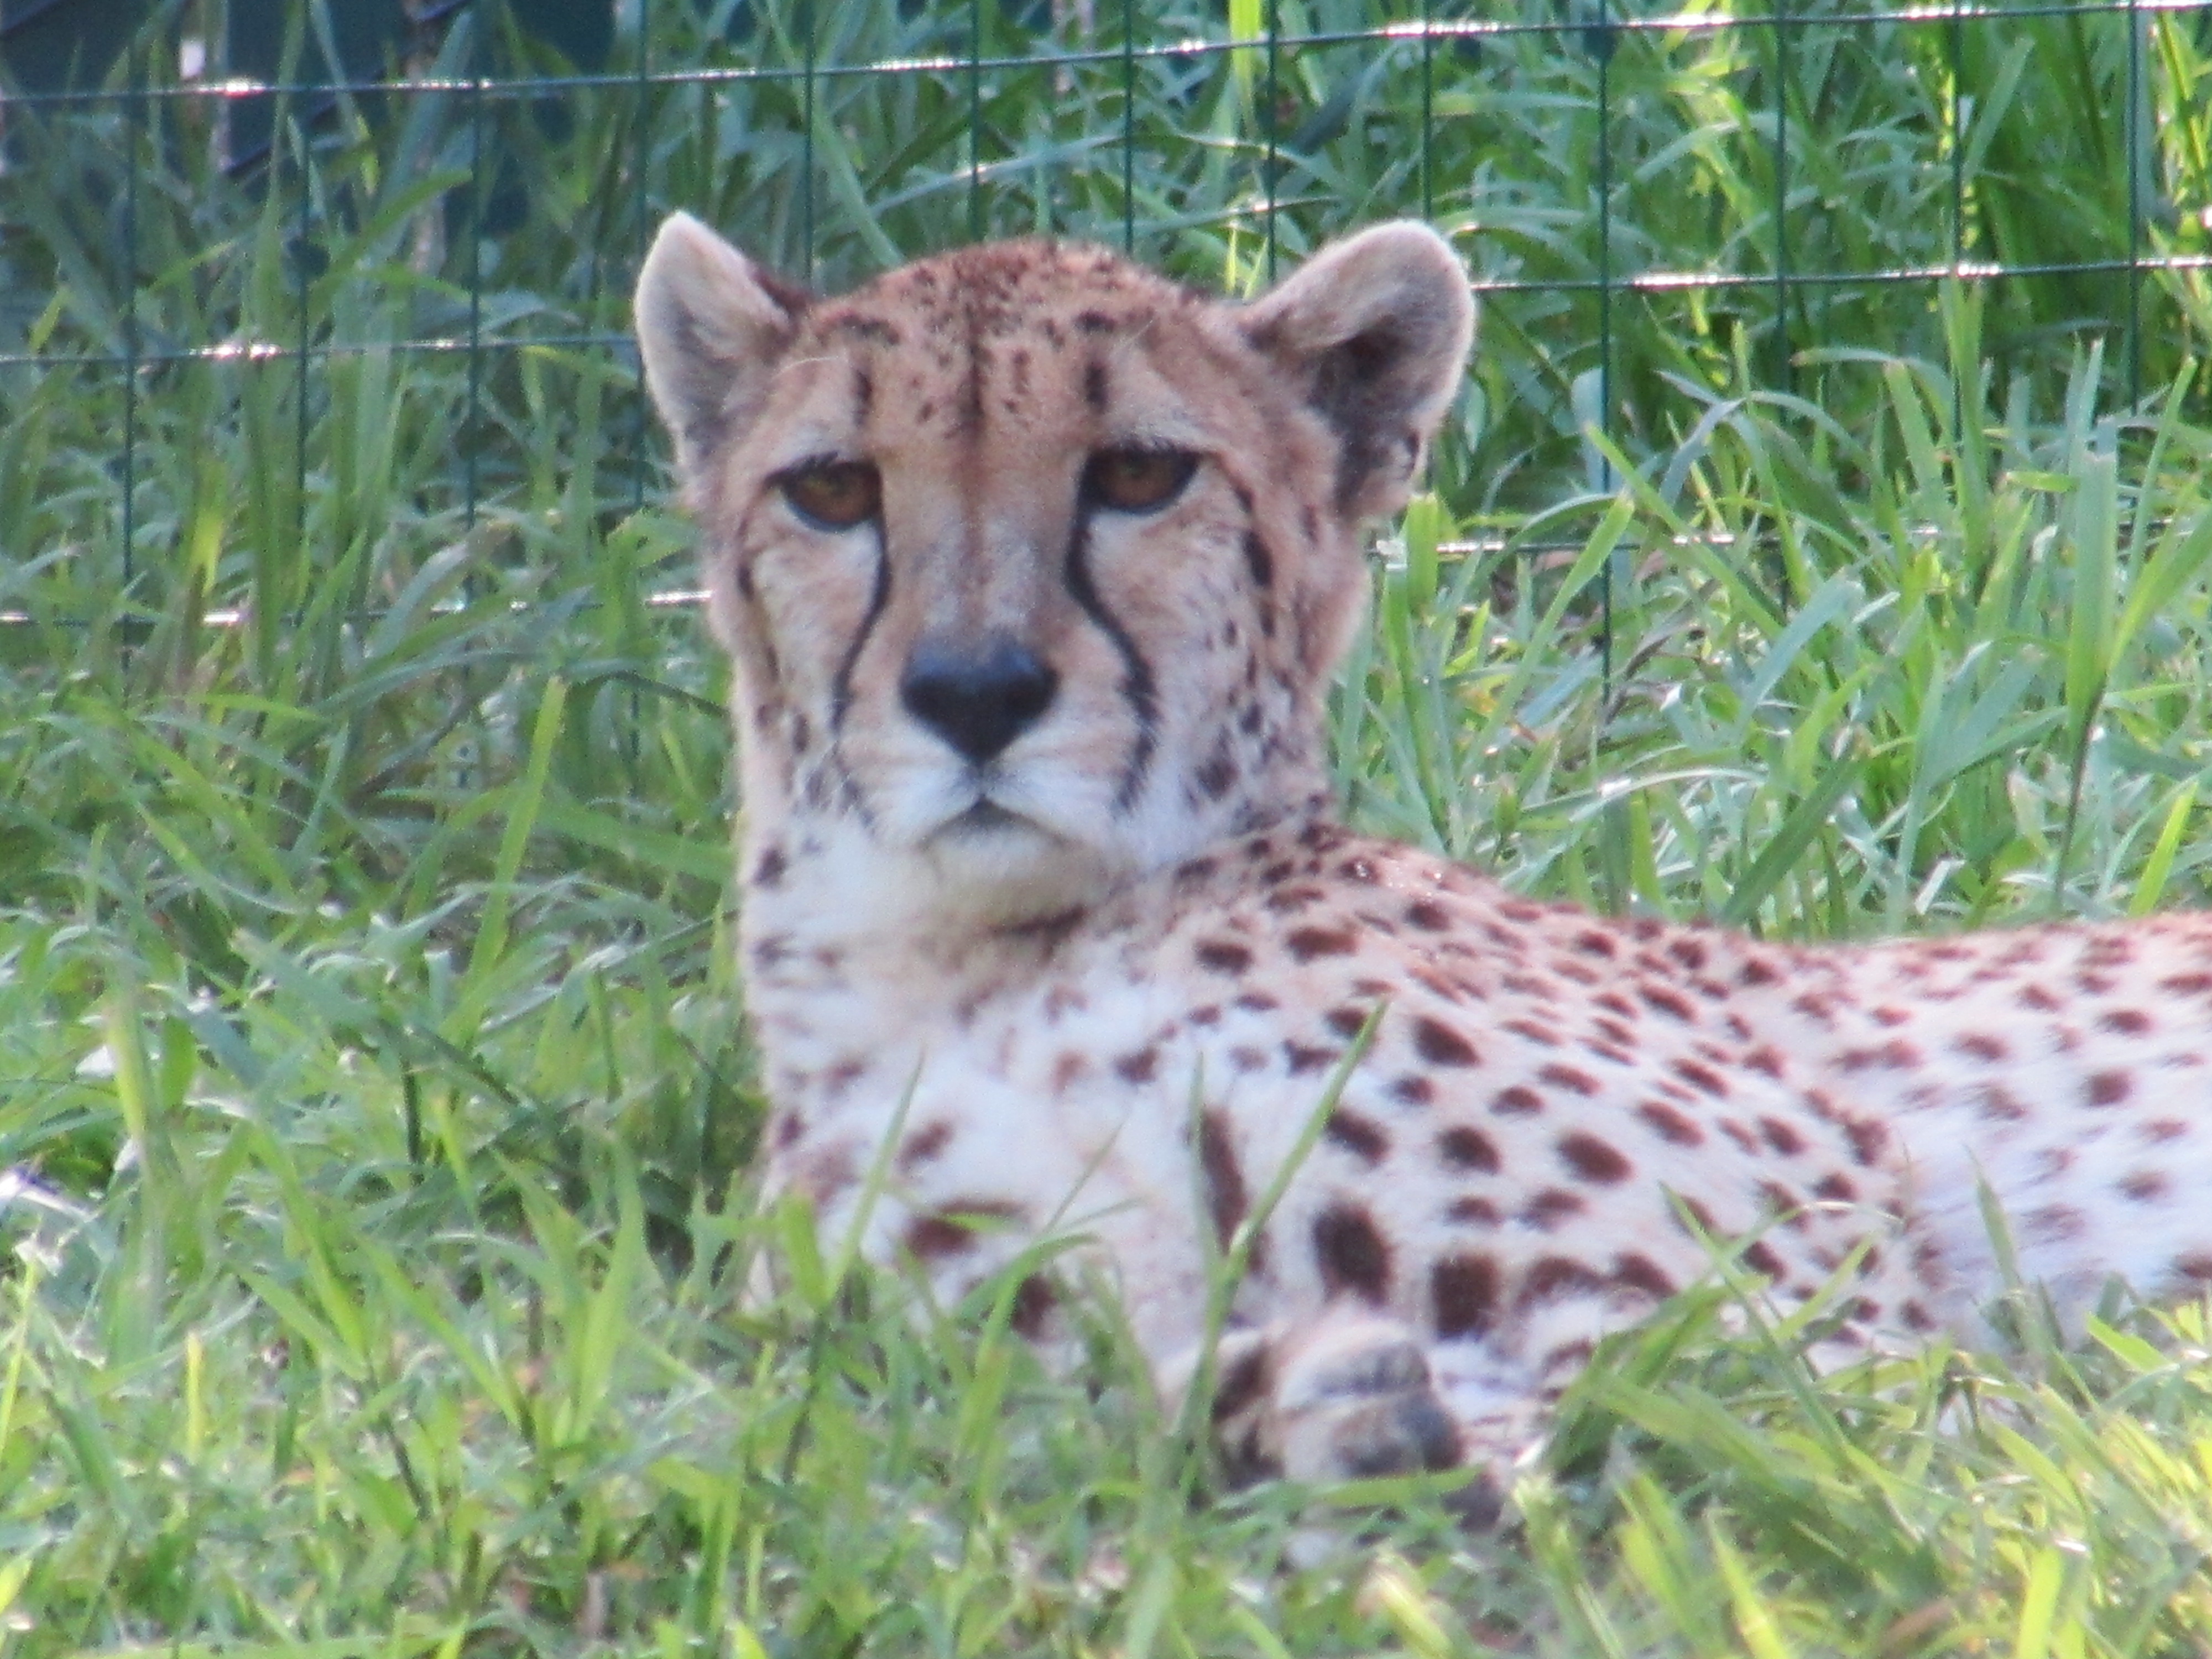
(978, 700)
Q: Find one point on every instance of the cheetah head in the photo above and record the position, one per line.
(1033, 565)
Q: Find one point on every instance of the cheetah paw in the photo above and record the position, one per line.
(1350, 1397)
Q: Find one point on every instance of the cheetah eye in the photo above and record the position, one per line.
(1137, 480)
(833, 494)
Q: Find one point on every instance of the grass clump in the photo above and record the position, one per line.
(374, 1097)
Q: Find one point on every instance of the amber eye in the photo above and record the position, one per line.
(1138, 480)
(833, 494)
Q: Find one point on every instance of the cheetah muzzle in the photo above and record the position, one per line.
(1033, 569)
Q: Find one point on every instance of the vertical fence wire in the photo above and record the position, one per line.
(975, 120)
(287, 126)
(471, 431)
(809, 49)
(1784, 372)
(1954, 46)
(2136, 161)
(1428, 112)
(1129, 127)
(641, 229)
(1603, 44)
(1272, 105)
(641, 169)
(133, 144)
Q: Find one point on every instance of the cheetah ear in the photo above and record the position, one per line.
(1375, 328)
(711, 325)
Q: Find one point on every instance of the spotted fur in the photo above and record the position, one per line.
(1040, 873)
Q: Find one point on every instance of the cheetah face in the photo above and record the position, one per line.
(1032, 565)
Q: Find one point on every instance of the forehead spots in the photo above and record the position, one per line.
(863, 326)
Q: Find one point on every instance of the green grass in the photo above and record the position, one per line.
(375, 1103)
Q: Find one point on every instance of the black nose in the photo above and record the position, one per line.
(977, 697)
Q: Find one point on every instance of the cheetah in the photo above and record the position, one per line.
(1034, 568)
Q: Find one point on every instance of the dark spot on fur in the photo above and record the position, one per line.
(1226, 1200)
(1258, 560)
(861, 326)
(1357, 1135)
(1551, 1277)
(1463, 1294)
(1670, 1124)
(1352, 1254)
(2107, 1088)
(1517, 1100)
(1034, 1301)
(1703, 1076)
(1548, 1208)
(1138, 1067)
(1592, 1160)
(1440, 1045)
(924, 1144)
(1869, 1139)
(1307, 943)
(1224, 956)
(2055, 1224)
(1468, 1149)
(1250, 1377)
(1761, 1260)
(1780, 1136)
(951, 1229)
(1218, 775)
(1640, 1273)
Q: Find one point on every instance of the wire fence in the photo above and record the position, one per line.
(391, 279)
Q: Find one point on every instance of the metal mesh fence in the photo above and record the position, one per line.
(275, 293)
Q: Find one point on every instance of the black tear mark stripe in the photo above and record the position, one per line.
(840, 686)
(1139, 688)
(1258, 560)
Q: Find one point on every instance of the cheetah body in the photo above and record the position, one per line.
(1048, 932)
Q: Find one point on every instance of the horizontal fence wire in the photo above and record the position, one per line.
(1471, 30)
(1619, 181)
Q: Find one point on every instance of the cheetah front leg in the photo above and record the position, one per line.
(1354, 1395)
